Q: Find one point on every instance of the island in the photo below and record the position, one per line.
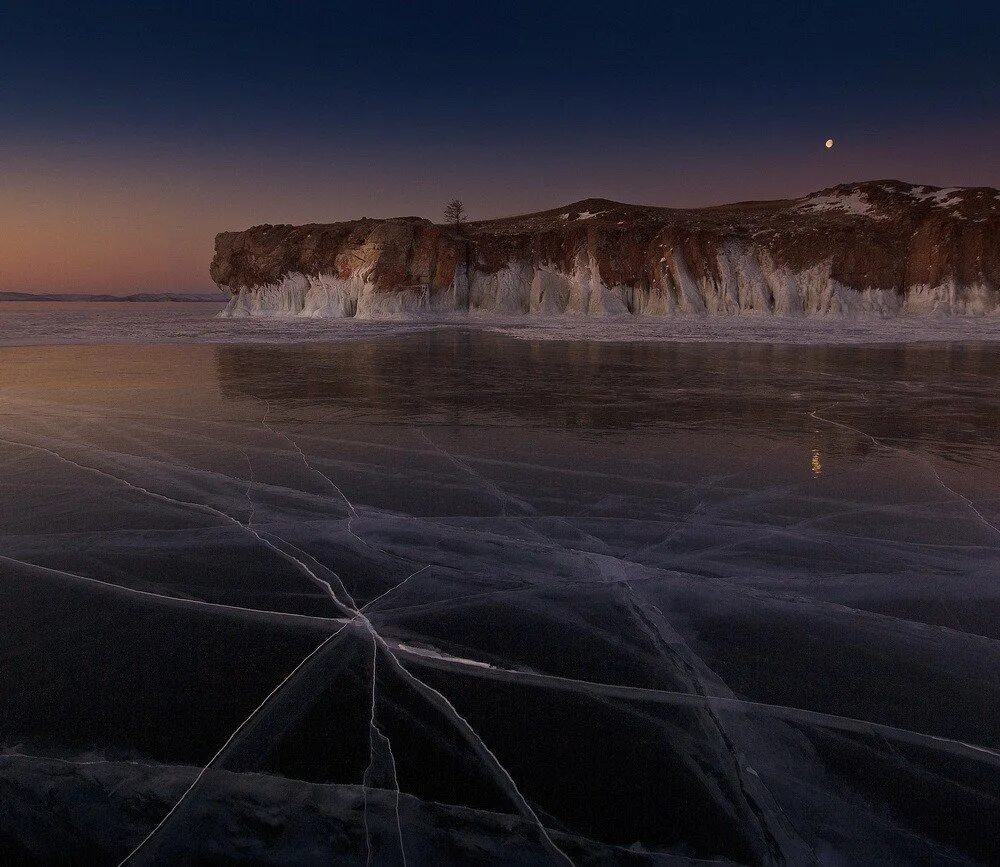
(873, 248)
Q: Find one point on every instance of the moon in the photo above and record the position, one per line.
(829, 143)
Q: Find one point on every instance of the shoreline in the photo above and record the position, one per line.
(56, 323)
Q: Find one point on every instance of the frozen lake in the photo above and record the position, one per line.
(449, 597)
(28, 323)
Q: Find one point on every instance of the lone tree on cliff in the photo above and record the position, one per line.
(454, 212)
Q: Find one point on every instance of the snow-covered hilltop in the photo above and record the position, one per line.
(879, 247)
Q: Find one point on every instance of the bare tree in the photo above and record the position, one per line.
(454, 212)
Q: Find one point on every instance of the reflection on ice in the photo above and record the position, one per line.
(458, 597)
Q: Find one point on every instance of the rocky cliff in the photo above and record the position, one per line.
(880, 247)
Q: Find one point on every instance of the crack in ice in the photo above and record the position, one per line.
(187, 793)
(910, 454)
(179, 601)
(433, 695)
(375, 731)
(686, 699)
(499, 772)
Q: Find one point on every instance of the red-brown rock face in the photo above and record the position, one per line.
(881, 246)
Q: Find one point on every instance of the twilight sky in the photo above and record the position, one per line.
(131, 132)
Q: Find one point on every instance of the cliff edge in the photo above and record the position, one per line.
(881, 247)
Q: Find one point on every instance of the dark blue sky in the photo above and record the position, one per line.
(230, 69)
(246, 112)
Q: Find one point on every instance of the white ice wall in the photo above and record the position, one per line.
(749, 283)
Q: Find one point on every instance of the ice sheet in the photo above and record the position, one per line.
(23, 324)
(455, 595)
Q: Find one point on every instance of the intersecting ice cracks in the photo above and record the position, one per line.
(356, 616)
(391, 653)
(434, 696)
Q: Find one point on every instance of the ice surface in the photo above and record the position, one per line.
(454, 596)
(44, 324)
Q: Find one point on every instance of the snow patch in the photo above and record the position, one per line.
(856, 204)
(946, 197)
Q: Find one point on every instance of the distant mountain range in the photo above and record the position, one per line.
(136, 296)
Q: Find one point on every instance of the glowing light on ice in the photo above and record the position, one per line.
(816, 463)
